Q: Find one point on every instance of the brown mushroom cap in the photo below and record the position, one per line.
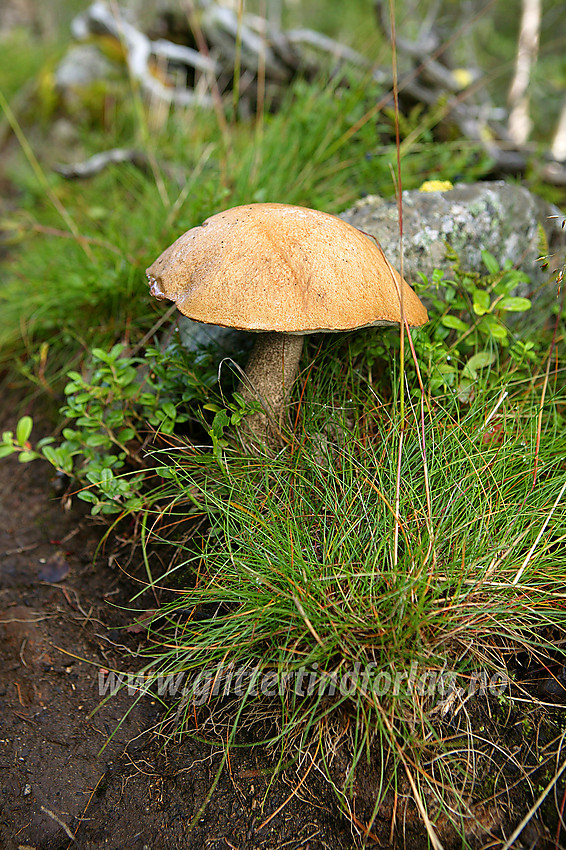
(275, 267)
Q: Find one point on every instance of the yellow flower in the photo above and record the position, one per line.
(436, 186)
(462, 77)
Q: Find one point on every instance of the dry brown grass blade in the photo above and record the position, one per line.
(431, 832)
(294, 791)
(40, 176)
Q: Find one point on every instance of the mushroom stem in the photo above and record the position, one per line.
(271, 372)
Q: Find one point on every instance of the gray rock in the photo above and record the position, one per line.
(506, 219)
(197, 335)
(81, 66)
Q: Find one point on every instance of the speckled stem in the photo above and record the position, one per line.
(271, 372)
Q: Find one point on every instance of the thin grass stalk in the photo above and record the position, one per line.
(260, 106)
(214, 90)
(546, 380)
(431, 832)
(41, 178)
(401, 304)
(539, 535)
(237, 61)
(141, 121)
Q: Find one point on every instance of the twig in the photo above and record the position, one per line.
(62, 824)
(327, 45)
(88, 802)
(308, 623)
(139, 49)
(161, 321)
(519, 119)
(95, 164)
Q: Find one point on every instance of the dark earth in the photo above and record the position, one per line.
(112, 779)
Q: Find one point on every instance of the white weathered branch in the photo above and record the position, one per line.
(185, 55)
(519, 119)
(558, 149)
(139, 50)
(220, 24)
(95, 164)
(328, 45)
(258, 43)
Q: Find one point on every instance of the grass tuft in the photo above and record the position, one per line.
(307, 596)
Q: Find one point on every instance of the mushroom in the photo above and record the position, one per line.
(282, 271)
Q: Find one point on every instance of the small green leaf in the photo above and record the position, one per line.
(477, 361)
(481, 297)
(58, 458)
(100, 354)
(108, 508)
(100, 476)
(221, 420)
(23, 429)
(95, 440)
(25, 457)
(490, 262)
(169, 409)
(481, 360)
(454, 323)
(514, 304)
(7, 450)
(495, 328)
(126, 377)
(86, 496)
(49, 453)
(465, 391)
(239, 399)
(482, 302)
(510, 280)
(446, 368)
(88, 422)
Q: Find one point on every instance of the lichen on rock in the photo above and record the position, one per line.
(499, 217)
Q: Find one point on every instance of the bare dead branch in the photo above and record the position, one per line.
(519, 119)
(99, 161)
(426, 74)
(558, 149)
